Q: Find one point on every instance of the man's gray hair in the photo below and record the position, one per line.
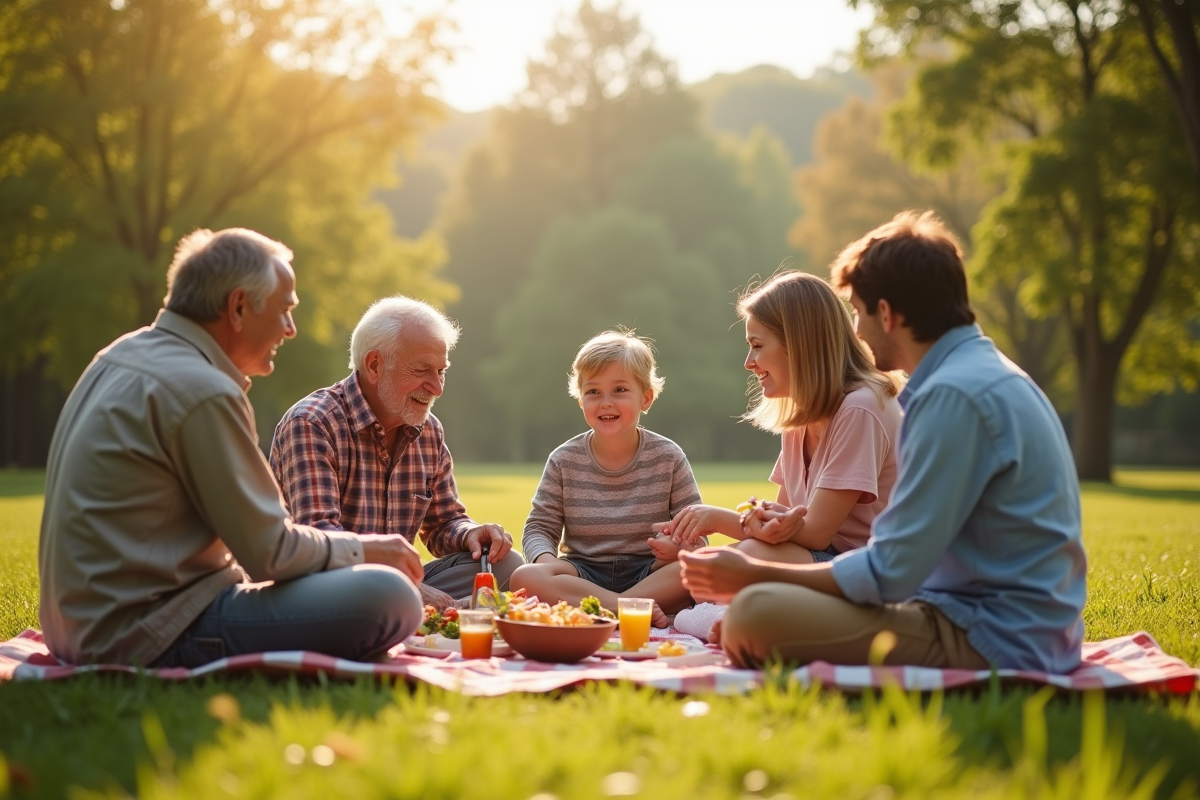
(208, 266)
(381, 325)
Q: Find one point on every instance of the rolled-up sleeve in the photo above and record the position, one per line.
(946, 460)
(235, 492)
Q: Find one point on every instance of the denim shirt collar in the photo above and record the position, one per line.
(949, 340)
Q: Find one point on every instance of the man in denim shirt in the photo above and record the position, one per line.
(977, 560)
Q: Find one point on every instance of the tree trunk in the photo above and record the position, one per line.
(1093, 429)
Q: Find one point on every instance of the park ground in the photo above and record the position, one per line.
(117, 736)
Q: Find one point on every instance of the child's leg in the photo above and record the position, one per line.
(784, 552)
(557, 580)
(665, 587)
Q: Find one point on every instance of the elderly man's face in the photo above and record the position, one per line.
(264, 331)
(410, 381)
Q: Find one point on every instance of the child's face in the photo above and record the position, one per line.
(613, 401)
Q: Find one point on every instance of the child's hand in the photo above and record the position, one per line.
(689, 525)
(663, 547)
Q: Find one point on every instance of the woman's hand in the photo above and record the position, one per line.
(774, 523)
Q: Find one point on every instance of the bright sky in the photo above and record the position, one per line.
(497, 37)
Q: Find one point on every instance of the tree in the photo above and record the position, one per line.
(1181, 73)
(1095, 213)
(126, 123)
(615, 267)
(859, 179)
(596, 105)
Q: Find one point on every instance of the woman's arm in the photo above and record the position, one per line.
(813, 527)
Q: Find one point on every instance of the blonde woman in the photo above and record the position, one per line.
(838, 418)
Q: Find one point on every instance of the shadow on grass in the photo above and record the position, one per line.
(1146, 492)
(22, 482)
(100, 719)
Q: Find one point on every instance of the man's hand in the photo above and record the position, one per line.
(393, 550)
(499, 542)
(774, 523)
(716, 574)
(436, 598)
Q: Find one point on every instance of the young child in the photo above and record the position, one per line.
(588, 532)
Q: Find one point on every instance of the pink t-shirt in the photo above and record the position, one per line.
(858, 451)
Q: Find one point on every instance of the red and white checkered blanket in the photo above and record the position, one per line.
(1133, 662)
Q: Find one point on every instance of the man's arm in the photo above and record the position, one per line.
(231, 484)
(946, 462)
(304, 461)
(716, 574)
(446, 524)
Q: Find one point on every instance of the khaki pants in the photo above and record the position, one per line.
(782, 622)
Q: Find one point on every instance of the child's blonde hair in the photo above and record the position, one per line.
(825, 357)
(623, 347)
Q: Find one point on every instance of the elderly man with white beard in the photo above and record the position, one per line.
(366, 455)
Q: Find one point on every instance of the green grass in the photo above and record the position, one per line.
(230, 736)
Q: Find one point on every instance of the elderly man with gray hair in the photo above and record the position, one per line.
(165, 540)
(367, 455)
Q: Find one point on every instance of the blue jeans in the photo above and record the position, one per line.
(614, 573)
(357, 613)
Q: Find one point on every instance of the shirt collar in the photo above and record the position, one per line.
(361, 414)
(203, 341)
(949, 340)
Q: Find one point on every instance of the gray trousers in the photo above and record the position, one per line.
(357, 613)
(455, 574)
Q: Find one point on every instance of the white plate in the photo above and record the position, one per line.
(437, 646)
(695, 653)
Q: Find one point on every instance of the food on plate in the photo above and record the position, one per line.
(440, 622)
(591, 605)
(499, 602)
(669, 649)
(560, 614)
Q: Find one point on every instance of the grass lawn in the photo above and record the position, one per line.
(253, 737)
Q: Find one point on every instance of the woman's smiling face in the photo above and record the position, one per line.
(767, 359)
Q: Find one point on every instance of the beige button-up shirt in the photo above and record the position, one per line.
(157, 498)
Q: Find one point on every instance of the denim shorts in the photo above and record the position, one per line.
(828, 554)
(615, 573)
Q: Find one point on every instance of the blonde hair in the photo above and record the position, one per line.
(825, 358)
(623, 347)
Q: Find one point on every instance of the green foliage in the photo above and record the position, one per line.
(1100, 205)
(129, 124)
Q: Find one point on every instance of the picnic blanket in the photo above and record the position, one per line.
(1133, 662)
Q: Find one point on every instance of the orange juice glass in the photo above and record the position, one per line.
(475, 628)
(634, 616)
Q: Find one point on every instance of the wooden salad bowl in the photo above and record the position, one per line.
(556, 644)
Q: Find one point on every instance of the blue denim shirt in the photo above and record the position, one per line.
(984, 521)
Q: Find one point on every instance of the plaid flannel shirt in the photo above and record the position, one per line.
(330, 458)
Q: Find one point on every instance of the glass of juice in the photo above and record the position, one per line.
(475, 627)
(634, 616)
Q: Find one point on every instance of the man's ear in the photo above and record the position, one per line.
(236, 306)
(372, 365)
(889, 320)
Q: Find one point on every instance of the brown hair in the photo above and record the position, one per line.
(914, 262)
(623, 347)
(825, 357)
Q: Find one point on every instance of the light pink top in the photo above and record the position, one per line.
(858, 451)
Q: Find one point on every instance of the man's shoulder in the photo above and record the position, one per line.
(974, 368)
(325, 404)
(171, 364)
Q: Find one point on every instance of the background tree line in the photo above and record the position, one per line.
(607, 194)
